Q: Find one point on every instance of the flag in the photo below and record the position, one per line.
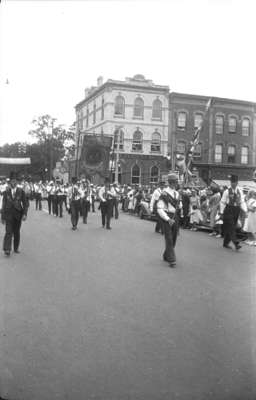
(208, 105)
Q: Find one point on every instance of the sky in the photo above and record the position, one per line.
(50, 51)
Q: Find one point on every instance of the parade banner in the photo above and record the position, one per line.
(95, 156)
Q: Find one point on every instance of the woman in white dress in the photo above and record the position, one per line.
(250, 222)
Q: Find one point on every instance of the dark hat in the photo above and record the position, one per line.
(233, 178)
(74, 179)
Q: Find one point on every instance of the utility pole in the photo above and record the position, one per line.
(117, 154)
(77, 152)
(50, 129)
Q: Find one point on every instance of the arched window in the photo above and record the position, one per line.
(245, 127)
(181, 121)
(119, 106)
(244, 155)
(219, 122)
(231, 153)
(154, 174)
(119, 133)
(135, 174)
(232, 124)
(156, 143)
(137, 141)
(218, 153)
(198, 120)
(138, 111)
(157, 109)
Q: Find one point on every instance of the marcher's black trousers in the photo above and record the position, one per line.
(85, 208)
(106, 208)
(75, 208)
(38, 198)
(59, 206)
(115, 208)
(159, 227)
(12, 229)
(230, 217)
(170, 235)
(50, 201)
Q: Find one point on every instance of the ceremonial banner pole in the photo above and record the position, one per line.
(194, 142)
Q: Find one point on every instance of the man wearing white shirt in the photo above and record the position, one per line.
(153, 205)
(231, 203)
(74, 203)
(106, 195)
(167, 207)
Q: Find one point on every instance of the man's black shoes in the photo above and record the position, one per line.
(238, 246)
(16, 251)
(7, 252)
(172, 264)
(227, 246)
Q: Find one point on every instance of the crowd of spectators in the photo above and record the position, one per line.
(199, 206)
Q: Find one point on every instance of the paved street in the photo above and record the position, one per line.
(97, 314)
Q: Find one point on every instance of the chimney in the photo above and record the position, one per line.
(86, 92)
(100, 81)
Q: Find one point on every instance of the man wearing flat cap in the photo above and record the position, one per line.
(167, 208)
(14, 211)
(231, 204)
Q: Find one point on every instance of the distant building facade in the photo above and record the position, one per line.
(146, 122)
(227, 143)
(135, 113)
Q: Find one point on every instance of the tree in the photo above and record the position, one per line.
(57, 143)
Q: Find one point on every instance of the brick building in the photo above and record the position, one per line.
(227, 143)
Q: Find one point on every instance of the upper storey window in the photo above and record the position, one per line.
(137, 141)
(198, 121)
(156, 142)
(119, 106)
(157, 109)
(232, 125)
(138, 108)
(219, 124)
(246, 127)
(181, 121)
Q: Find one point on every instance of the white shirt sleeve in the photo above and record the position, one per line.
(161, 212)
(101, 191)
(223, 201)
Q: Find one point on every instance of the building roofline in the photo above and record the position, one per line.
(220, 99)
(125, 84)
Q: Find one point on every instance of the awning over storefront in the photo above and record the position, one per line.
(15, 161)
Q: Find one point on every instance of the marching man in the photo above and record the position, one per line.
(231, 203)
(167, 208)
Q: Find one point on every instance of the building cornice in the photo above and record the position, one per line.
(123, 85)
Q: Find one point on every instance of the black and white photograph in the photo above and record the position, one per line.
(127, 200)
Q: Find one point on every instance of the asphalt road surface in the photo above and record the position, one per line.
(97, 314)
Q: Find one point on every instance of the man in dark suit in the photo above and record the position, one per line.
(14, 211)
